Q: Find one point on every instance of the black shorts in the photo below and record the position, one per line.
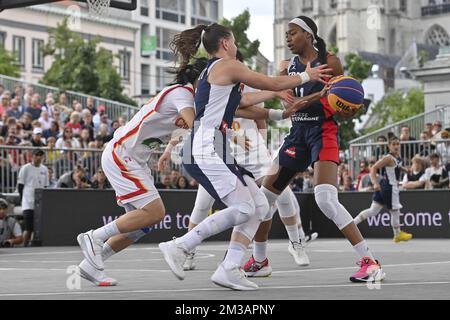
(28, 219)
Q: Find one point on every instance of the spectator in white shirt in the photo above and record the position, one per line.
(415, 179)
(67, 136)
(45, 120)
(436, 176)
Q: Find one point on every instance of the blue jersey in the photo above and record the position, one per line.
(316, 114)
(391, 175)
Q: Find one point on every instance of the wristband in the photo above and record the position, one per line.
(305, 77)
(276, 115)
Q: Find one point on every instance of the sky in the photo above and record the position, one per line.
(261, 23)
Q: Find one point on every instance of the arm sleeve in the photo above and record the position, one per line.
(20, 186)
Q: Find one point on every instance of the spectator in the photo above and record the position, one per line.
(52, 154)
(415, 179)
(19, 158)
(348, 184)
(27, 127)
(308, 181)
(104, 133)
(10, 122)
(429, 129)
(426, 148)
(5, 103)
(364, 171)
(29, 92)
(182, 183)
(75, 124)
(14, 110)
(66, 161)
(174, 175)
(97, 117)
(366, 183)
(437, 129)
(99, 143)
(407, 149)
(62, 101)
(52, 183)
(35, 108)
(10, 230)
(436, 176)
(49, 106)
(90, 106)
(90, 159)
(85, 138)
(381, 149)
(45, 120)
(32, 176)
(100, 181)
(122, 121)
(74, 180)
(115, 125)
(105, 121)
(86, 123)
(53, 131)
(443, 148)
(36, 139)
(67, 136)
(165, 183)
(78, 107)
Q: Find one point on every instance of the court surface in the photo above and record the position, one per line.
(416, 270)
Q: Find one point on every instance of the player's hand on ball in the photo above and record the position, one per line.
(325, 91)
(319, 73)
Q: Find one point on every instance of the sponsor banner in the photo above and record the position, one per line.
(60, 215)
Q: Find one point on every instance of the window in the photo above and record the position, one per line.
(19, 49)
(162, 78)
(145, 79)
(171, 10)
(333, 4)
(144, 8)
(38, 55)
(438, 36)
(204, 11)
(2, 39)
(308, 5)
(164, 36)
(125, 64)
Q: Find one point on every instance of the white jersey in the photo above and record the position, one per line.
(154, 124)
(257, 160)
(32, 178)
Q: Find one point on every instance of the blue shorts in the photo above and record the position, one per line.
(388, 196)
(306, 145)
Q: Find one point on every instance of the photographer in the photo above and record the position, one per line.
(76, 179)
(10, 230)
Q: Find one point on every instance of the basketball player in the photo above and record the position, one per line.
(207, 157)
(313, 140)
(387, 192)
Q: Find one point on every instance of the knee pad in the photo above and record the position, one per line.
(262, 205)
(271, 198)
(327, 199)
(135, 236)
(285, 206)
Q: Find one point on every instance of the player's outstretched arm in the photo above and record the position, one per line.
(254, 98)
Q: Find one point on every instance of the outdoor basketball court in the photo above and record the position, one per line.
(416, 270)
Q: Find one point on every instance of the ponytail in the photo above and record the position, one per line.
(189, 73)
(185, 44)
(320, 43)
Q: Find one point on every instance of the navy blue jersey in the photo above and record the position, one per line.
(391, 175)
(314, 115)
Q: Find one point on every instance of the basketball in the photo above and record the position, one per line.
(346, 94)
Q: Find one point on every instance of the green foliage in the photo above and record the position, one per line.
(396, 106)
(8, 64)
(239, 25)
(82, 66)
(357, 67)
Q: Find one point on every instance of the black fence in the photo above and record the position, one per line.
(62, 214)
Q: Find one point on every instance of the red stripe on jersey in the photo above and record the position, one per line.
(329, 111)
(330, 145)
(135, 130)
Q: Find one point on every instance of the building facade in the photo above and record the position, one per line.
(387, 27)
(140, 38)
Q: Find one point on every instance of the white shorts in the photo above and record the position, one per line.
(132, 181)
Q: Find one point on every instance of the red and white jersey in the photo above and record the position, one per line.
(154, 124)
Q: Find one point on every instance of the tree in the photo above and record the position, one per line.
(397, 106)
(239, 25)
(359, 69)
(8, 64)
(81, 66)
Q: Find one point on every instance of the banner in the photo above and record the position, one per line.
(148, 45)
(61, 215)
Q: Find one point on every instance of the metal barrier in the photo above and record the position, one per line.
(113, 109)
(416, 125)
(409, 149)
(62, 161)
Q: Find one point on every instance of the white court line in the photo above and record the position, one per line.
(357, 286)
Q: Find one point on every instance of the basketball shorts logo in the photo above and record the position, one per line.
(291, 152)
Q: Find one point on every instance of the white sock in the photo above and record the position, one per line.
(106, 232)
(362, 249)
(293, 233)
(107, 252)
(235, 254)
(301, 233)
(260, 251)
